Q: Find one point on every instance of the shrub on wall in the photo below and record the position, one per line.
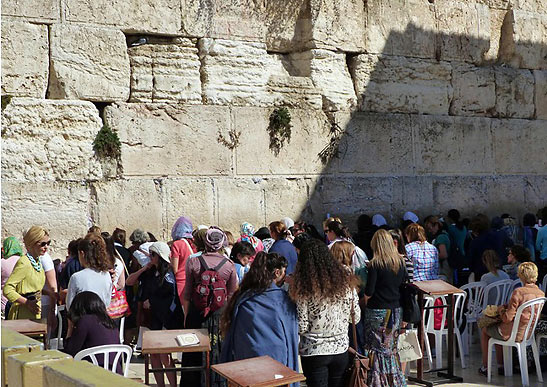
(107, 143)
(279, 129)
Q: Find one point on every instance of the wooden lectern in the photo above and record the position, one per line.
(437, 288)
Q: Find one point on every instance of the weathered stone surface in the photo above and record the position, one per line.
(367, 138)
(25, 59)
(400, 27)
(88, 63)
(474, 90)
(498, 4)
(452, 145)
(289, 26)
(244, 74)
(497, 16)
(464, 30)
(399, 84)
(338, 25)
(330, 75)
(158, 16)
(165, 72)
(514, 92)
(414, 193)
(238, 20)
(524, 40)
(49, 140)
(191, 197)
(129, 204)
(518, 146)
(285, 197)
(464, 192)
(299, 156)
(506, 195)
(240, 200)
(171, 140)
(540, 78)
(539, 6)
(37, 10)
(534, 192)
(60, 207)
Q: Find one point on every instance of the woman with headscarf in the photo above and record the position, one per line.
(11, 252)
(182, 247)
(247, 235)
(23, 287)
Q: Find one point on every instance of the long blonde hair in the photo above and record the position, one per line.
(343, 251)
(385, 255)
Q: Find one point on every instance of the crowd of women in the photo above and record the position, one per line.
(286, 290)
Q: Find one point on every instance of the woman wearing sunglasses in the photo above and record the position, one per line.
(23, 288)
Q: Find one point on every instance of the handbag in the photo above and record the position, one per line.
(119, 306)
(357, 372)
(408, 346)
(408, 301)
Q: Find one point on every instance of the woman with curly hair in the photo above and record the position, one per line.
(383, 313)
(260, 318)
(324, 292)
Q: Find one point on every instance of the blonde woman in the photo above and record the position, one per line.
(342, 251)
(23, 287)
(383, 313)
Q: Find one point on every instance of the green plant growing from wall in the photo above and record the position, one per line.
(233, 140)
(6, 99)
(279, 129)
(107, 143)
(332, 149)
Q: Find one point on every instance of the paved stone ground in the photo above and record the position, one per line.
(470, 374)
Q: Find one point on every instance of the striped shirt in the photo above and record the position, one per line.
(425, 259)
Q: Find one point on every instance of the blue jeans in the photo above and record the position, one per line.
(325, 370)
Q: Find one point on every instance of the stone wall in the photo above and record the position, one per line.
(438, 104)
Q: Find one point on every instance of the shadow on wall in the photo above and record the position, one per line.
(437, 125)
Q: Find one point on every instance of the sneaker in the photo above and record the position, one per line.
(483, 371)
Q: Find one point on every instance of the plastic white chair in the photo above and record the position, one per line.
(544, 284)
(500, 289)
(516, 284)
(116, 350)
(57, 343)
(122, 327)
(535, 306)
(474, 307)
(459, 305)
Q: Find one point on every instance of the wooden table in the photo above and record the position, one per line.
(260, 371)
(437, 288)
(158, 342)
(31, 328)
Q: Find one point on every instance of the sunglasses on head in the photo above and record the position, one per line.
(44, 244)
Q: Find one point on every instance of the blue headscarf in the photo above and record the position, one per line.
(182, 228)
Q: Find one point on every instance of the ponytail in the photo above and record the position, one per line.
(339, 229)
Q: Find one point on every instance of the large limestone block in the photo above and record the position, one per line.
(497, 17)
(540, 78)
(338, 25)
(129, 204)
(374, 144)
(26, 369)
(285, 197)
(25, 59)
(474, 90)
(240, 200)
(245, 74)
(463, 30)
(499, 4)
(288, 26)
(238, 20)
(49, 140)
(193, 197)
(400, 84)
(171, 140)
(350, 196)
(465, 192)
(452, 145)
(309, 134)
(60, 207)
(400, 27)
(524, 40)
(414, 193)
(538, 6)
(14, 343)
(152, 16)
(88, 63)
(514, 93)
(165, 72)
(46, 11)
(518, 146)
(330, 75)
(70, 373)
(534, 192)
(507, 195)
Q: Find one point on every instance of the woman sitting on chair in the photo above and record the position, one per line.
(91, 326)
(528, 273)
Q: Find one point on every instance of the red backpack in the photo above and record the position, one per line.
(210, 292)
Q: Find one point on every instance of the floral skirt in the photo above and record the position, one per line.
(381, 334)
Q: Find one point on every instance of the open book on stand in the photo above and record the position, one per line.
(187, 339)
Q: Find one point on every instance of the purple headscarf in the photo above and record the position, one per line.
(182, 228)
